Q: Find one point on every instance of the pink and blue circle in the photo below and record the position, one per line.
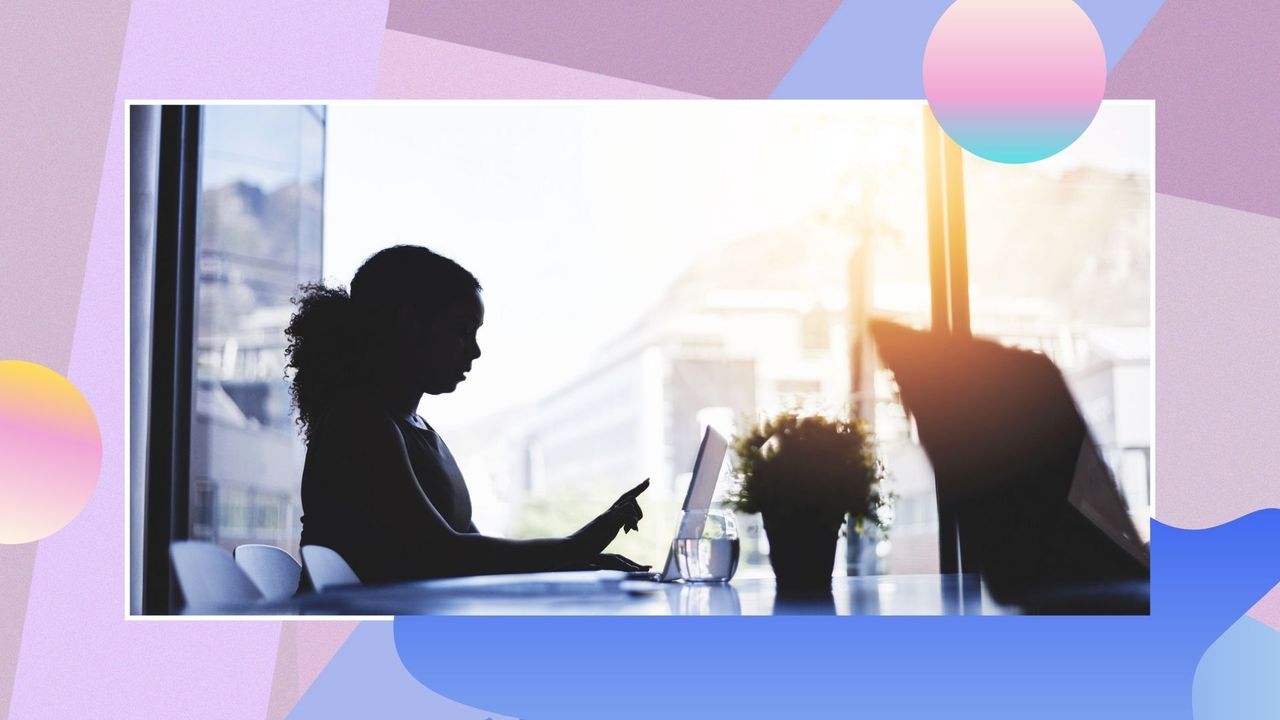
(1014, 81)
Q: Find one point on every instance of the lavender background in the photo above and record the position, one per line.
(66, 69)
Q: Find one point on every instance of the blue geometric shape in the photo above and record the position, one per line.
(1119, 23)
(365, 679)
(865, 50)
(875, 49)
(900, 667)
(1239, 676)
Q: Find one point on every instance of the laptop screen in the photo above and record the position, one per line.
(706, 471)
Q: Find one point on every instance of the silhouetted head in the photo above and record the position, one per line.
(409, 321)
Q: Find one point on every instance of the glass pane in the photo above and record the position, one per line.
(262, 174)
(1060, 262)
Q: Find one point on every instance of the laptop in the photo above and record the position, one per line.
(702, 487)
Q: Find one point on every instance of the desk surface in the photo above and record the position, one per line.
(606, 593)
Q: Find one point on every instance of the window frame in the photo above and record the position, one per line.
(172, 352)
(949, 301)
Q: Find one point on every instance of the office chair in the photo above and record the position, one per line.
(209, 578)
(272, 569)
(1016, 468)
(327, 568)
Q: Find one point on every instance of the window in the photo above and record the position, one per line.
(261, 202)
(816, 331)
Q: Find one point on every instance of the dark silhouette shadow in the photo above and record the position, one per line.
(961, 594)
(379, 485)
(808, 600)
(1038, 510)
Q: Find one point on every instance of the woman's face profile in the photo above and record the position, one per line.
(444, 345)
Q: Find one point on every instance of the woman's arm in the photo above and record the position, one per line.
(380, 462)
(603, 561)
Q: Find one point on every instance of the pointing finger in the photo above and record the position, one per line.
(633, 492)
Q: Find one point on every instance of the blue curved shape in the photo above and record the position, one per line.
(1017, 667)
(1238, 675)
(876, 49)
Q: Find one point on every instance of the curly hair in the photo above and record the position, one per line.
(321, 350)
(336, 337)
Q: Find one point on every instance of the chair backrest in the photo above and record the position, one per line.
(327, 568)
(209, 577)
(272, 569)
(1020, 482)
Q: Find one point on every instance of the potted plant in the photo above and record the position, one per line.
(805, 474)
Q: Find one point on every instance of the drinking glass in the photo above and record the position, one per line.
(706, 547)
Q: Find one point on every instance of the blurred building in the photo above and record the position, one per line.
(764, 323)
(261, 214)
(757, 326)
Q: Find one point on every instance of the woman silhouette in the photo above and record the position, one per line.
(379, 485)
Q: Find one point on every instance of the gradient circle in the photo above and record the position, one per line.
(50, 452)
(1014, 80)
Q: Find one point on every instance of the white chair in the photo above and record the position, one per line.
(327, 568)
(272, 569)
(209, 578)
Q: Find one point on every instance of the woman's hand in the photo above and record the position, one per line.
(611, 561)
(596, 535)
(607, 561)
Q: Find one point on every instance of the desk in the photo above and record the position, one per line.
(607, 593)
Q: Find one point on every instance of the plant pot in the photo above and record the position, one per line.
(801, 551)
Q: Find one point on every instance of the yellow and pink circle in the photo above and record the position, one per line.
(50, 452)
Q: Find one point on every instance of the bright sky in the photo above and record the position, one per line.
(576, 216)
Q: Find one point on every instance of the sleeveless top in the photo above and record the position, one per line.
(346, 510)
